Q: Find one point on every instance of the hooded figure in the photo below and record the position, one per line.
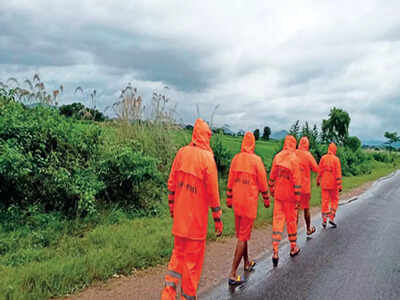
(193, 187)
(307, 163)
(285, 183)
(247, 178)
(330, 180)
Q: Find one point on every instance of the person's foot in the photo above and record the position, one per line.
(311, 230)
(294, 251)
(275, 259)
(236, 281)
(250, 266)
(333, 224)
(324, 224)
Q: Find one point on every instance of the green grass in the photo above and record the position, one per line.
(48, 255)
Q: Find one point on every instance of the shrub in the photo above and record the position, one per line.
(131, 178)
(222, 155)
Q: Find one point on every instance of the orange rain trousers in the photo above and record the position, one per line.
(186, 264)
(329, 205)
(284, 210)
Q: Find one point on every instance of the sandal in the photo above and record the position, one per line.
(313, 229)
(296, 251)
(237, 281)
(250, 267)
(324, 224)
(275, 261)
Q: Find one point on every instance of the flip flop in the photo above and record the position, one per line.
(251, 266)
(293, 254)
(237, 281)
(313, 229)
(275, 261)
(333, 224)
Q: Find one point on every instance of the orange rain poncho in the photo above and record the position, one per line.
(330, 179)
(247, 178)
(193, 187)
(307, 163)
(285, 182)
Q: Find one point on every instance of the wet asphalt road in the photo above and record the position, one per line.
(360, 259)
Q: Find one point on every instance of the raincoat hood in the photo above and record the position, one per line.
(290, 143)
(201, 135)
(332, 149)
(304, 143)
(248, 143)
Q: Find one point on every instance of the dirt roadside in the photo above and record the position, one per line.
(147, 284)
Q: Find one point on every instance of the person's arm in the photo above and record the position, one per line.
(272, 178)
(230, 186)
(211, 180)
(262, 182)
(339, 175)
(313, 164)
(321, 163)
(297, 179)
(172, 187)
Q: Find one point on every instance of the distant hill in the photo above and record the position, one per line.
(376, 143)
(279, 135)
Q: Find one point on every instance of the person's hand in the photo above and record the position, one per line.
(297, 204)
(318, 184)
(219, 227)
(229, 202)
(340, 190)
(171, 212)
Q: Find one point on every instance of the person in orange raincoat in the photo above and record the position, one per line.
(330, 180)
(193, 187)
(247, 178)
(285, 184)
(307, 163)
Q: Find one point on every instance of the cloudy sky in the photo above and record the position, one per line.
(264, 62)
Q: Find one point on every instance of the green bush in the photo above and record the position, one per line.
(382, 156)
(131, 177)
(222, 155)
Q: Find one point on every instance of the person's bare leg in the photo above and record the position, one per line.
(246, 255)
(237, 258)
(307, 218)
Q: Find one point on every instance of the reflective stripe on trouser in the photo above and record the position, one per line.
(186, 264)
(329, 204)
(284, 211)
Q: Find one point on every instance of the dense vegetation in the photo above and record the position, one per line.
(82, 200)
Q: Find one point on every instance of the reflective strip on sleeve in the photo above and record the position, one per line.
(297, 193)
(277, 232)
(188, 297)
(174, 274)
(217, 220)
(297, 186)
(229, 190)
(171, 284)
(170, 201)
(171, 192)
(229, 196)
(276, 240)
(215, 209)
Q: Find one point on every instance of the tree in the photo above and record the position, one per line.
(266, 133)
(336, 128)
(392, 138)
(295, 129)
(353, 143)
(80, 112)
(257, 134)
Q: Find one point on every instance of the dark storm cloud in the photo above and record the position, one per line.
(263, 63)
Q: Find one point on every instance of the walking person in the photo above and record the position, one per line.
(193, 187)
(247, 178)
(330, 180)
(307, 164)
(285, 183)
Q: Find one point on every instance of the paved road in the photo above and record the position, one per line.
(360, 259)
